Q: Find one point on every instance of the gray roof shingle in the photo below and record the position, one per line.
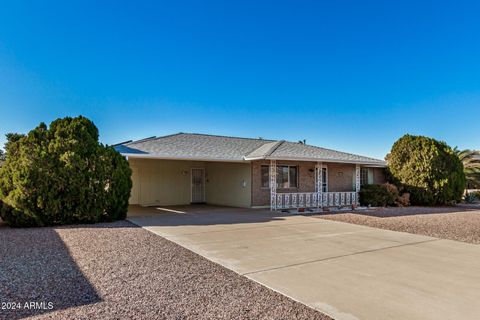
(194, 146)
(299, 151)
(210, 147)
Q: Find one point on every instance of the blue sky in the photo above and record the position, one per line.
(348, 75)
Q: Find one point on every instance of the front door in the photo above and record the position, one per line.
(198, 185)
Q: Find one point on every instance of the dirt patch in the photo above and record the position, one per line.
(455, 223)
(120, 271)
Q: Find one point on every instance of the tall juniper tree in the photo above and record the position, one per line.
(61, 174)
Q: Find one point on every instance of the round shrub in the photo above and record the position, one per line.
(61, 174)
(427, 169)
(378, 195)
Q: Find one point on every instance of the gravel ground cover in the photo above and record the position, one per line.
(455, 223)
(120, 271)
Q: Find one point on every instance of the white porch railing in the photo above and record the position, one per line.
(314, 200)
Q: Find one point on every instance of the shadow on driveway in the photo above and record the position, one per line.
(38, 274)
(200, 215)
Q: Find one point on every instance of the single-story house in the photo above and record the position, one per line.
(186, 168)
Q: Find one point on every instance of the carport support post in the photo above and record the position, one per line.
(357, 183)
(273, 185)
(319, 184)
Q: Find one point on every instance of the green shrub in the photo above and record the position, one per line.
(378, 195)
(2, 157)
(61, 175)
(427, 169)
(118, 184)
(470, 197)
(477, 194)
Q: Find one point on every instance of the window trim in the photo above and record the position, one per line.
(280, 165)
(261, 176)
(364, 175)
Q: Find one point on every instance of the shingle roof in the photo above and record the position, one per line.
(194, 146)
(298, 151)
(210, 147)
(263, 151)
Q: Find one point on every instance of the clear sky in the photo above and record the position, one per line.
(347, 75)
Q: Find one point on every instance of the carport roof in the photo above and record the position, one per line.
(194, 146)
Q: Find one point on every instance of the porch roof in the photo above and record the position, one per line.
(193, 146)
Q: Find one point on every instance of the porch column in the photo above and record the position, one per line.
(319, 184)
(357, 182)
(273, 185)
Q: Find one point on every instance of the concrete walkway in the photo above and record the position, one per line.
(346, 271)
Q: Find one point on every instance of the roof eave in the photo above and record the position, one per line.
(369, 163)
(245, 159)
(184, 158)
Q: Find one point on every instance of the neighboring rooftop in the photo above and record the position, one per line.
(194, 146)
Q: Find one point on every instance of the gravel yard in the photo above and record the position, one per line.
(118, 271)
(455, 223)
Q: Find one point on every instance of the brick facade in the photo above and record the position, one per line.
(306, 180)
(341, 177)
(379, 176)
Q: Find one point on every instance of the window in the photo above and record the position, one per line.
(265, 176)
(363, 176)
(292, 171)
(287, 176)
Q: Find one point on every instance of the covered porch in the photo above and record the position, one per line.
(319, 196)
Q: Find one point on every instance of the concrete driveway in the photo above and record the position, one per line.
(346, 271)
